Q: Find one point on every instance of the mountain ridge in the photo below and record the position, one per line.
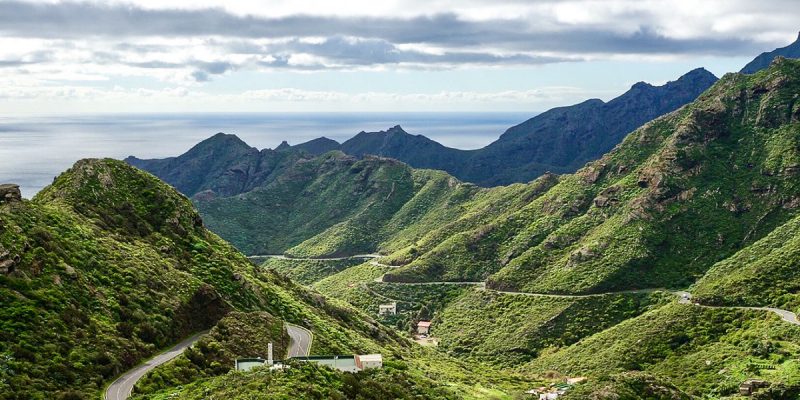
(522, 153)
(764, 59)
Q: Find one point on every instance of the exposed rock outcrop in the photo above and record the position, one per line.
(9, 192)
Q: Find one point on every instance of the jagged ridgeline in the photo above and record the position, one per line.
(676, 196)
(108, 265)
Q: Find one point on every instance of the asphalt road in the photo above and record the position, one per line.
(283, 257)
(300, 340)
(121, 388)
(788, 316)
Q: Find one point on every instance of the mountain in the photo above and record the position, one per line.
(764, 59)
(108, 265)
(415, 150)
(703, 199)
(560, 140)
(334, 205)
(317, 146)
(677, 195)
(222, 165)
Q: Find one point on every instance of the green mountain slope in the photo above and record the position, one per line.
(678, 195)
(335, 205)
(222, 165)
(108, 265)
(764, 273)
(702, 351)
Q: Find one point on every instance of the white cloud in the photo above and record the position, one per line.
(76, 50)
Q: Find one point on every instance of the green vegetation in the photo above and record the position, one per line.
(237, 335)
(699, 350)
(108, 265)
(511, 329)
(678, 195)
(764, 273)
(310, 381)
(632, 385)
(308, 271)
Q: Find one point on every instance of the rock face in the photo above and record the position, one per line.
(9, 192)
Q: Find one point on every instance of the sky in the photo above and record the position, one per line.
(61, 57)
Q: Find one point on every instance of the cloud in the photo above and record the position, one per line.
(70, 49)
(554, 33)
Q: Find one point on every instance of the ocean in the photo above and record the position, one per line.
(33, 150)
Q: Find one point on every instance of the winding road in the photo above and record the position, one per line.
(283, 257)
(788, 316)
(683, 296)
(122, 387)
(300, 340)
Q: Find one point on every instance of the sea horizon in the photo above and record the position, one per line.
(34, 149)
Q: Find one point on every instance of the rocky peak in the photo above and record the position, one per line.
(396, 129)
(283, 146)
(9, 192)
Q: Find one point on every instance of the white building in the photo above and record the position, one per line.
(368, 361)
(423, 327)
(387, 309)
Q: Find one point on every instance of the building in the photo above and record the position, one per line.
(751, 385)
(387, 309)
(346, 363)
(368, 361)
(423, 327)
(246, 364)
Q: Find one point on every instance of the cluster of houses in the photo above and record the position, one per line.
(345, 363)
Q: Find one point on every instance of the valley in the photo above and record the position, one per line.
(652, 243)
(644, 247)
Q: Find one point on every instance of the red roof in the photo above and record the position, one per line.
(424, 324)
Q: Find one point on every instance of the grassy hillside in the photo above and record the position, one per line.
(512, 329)
(332, 205)
(308, 271)
(310, 381)
(764, 273)
(699, 350)
(108, 265)
(235, 336)
(679, 194)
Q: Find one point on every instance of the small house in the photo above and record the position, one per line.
(367, 361)
(346, 363)
(246, 364)
(423, 327)
(751, 385)
(387, 309)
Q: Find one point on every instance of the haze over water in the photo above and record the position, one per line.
(33, 150)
